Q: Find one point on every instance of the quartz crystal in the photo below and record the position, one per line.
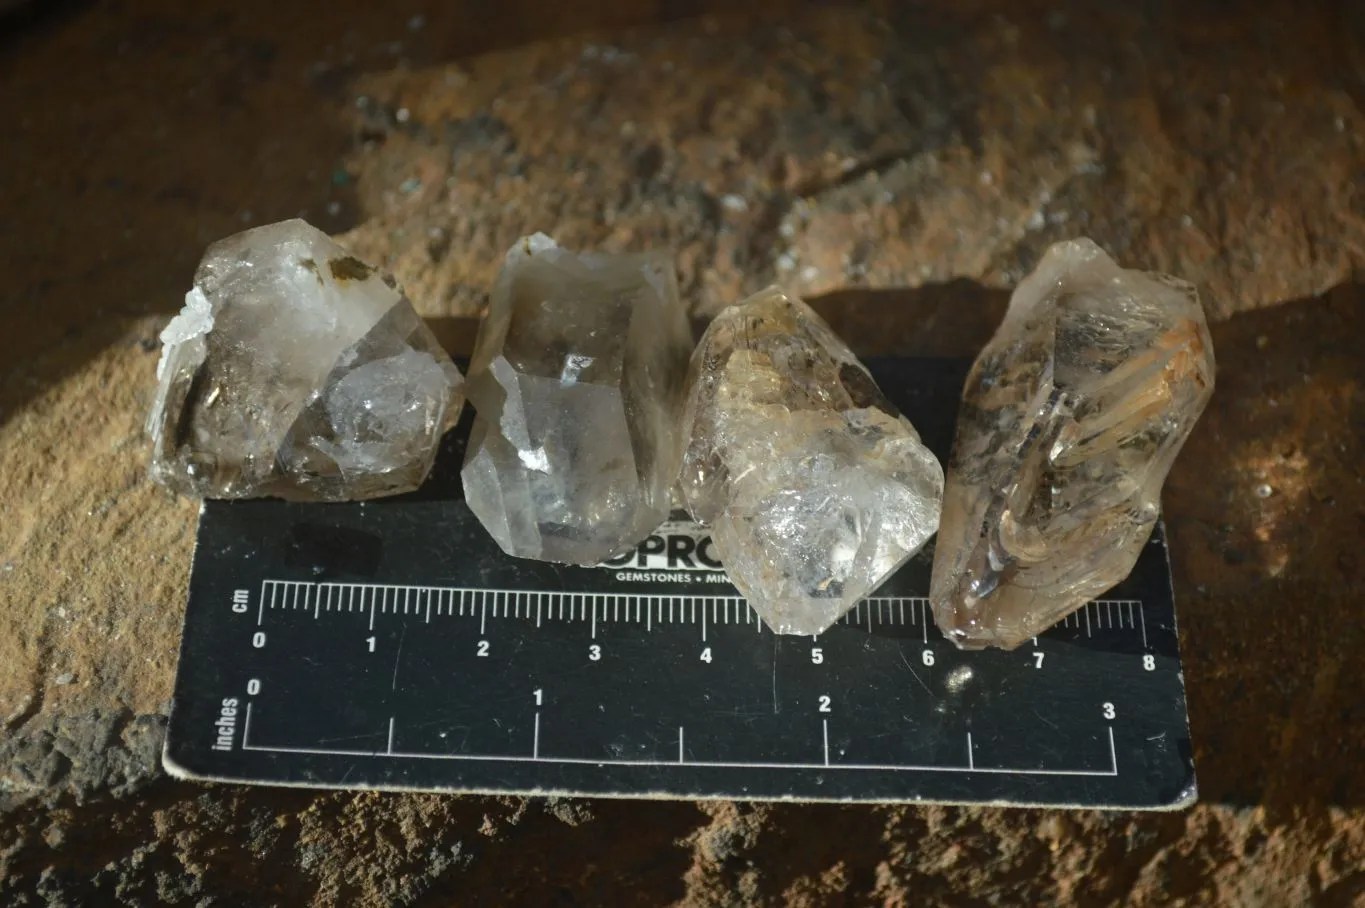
(577, 380)
(299, 371)
(816, 486)
(1070, 420)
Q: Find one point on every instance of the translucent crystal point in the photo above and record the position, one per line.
(299, 371)
(816, 485)
(1070, 420)
(577, 379)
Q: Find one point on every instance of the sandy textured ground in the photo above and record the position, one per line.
(906, 168)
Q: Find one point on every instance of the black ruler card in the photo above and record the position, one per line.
(391, 644)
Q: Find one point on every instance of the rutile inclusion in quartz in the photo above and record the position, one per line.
(816, 486)
(577, 379)
(1070, 420)
(299, 371)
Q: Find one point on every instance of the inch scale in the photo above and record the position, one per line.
(389, 644)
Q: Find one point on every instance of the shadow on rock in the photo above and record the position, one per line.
(1265, 509)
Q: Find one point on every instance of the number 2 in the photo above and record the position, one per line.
(824, 703)
(483, 648)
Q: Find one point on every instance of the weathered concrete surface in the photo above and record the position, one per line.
(910, 167)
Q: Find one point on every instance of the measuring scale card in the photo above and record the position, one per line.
(390, 644)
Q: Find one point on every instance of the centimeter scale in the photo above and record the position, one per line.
(391, 644)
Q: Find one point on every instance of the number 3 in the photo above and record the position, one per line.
(1109, 711)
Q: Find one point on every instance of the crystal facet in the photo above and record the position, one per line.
(299, 371)
(1070, 420)
(816, 485)
(577, 379)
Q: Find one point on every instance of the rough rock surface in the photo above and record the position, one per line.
(1220, 142)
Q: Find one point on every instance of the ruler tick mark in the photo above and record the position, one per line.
(824, 728)
(680, 744)
(390, 750)
(535, 739)
(971, 758)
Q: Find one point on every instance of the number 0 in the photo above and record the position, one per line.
(258, 639)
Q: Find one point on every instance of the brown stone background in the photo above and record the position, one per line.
(904, 164)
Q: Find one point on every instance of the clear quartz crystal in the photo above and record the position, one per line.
(577, 380)
(1070, 420)
(817, 487)
(299, 371)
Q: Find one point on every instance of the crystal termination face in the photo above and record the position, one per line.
(816, 486)
(1070, 420)
(577, 380)
(299, 371)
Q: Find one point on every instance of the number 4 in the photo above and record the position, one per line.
(706, 654)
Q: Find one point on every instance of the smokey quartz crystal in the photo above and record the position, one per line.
(816, 487)
(577, 379)
(296, 370)
(1070, 420)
